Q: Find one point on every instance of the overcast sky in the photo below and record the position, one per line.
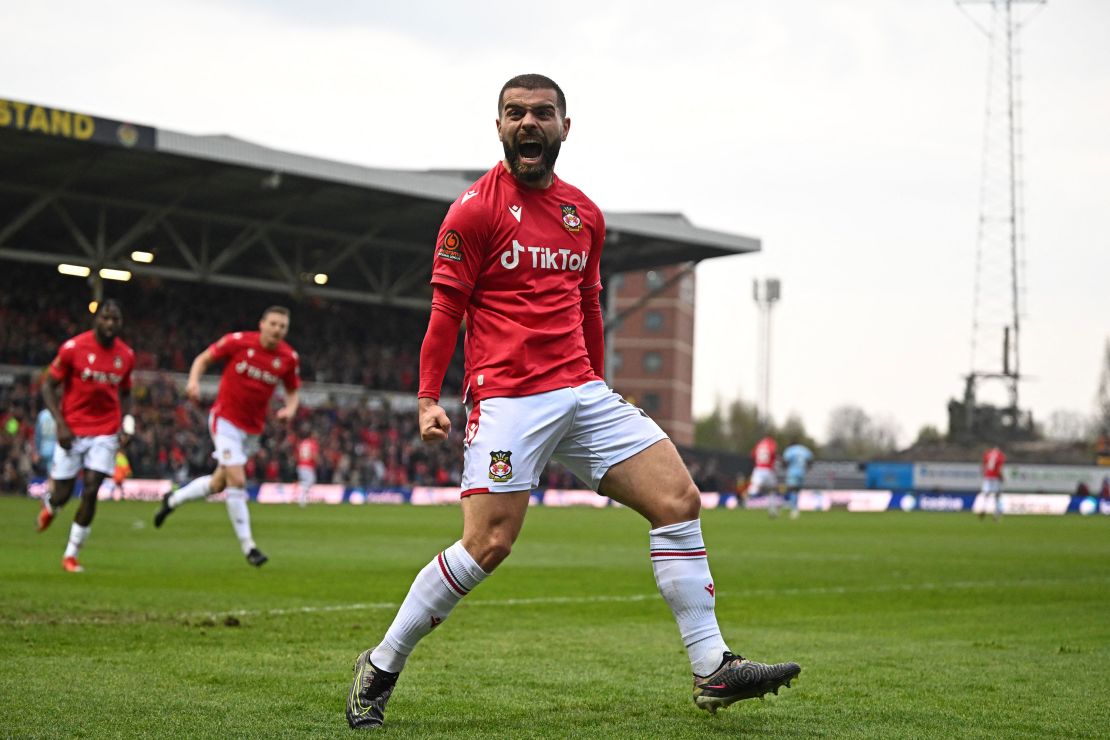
(845, 135)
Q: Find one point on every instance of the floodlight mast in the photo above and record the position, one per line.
(766, 293)
(1000, 247)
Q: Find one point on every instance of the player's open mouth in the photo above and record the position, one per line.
(530, 150)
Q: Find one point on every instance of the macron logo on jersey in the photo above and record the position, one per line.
(544, 258)
(468, 195)
(515, 210)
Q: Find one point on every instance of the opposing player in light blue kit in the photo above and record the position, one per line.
(798, 459)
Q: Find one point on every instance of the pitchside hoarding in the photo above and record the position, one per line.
(1018, 478)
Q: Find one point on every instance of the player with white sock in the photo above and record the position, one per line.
(95, 370)
(518, 256)
(255, 362)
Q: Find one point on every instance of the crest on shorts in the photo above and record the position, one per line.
(500, 469)
(570, 218)
(451, 247)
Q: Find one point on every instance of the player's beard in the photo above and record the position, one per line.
(531, 172)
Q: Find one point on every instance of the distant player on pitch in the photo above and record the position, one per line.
(798, 459)
(763, 480)
(991, 492)
(518, 255)
(255, 362)
(308, 453)
(95, 370)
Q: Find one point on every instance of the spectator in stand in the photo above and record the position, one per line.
(991, 492)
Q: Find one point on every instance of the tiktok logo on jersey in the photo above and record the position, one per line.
(544, 258)
(244, 368)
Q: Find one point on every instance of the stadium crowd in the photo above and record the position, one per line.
(364, 441)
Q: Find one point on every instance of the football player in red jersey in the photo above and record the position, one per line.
(991, 492)
(518, 257)
(308, 453)
(255, 362)
(95, 370)
(763, 480)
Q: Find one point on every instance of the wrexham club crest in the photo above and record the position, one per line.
(571, 222)
(500, 469)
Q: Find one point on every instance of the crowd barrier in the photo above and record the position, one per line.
(859, 501)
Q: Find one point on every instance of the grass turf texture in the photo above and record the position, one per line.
(906, 625)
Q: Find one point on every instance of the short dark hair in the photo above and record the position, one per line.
(534, 82)
(276, 309)
(106, 303)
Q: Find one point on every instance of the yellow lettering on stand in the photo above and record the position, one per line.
(82, 126)
(39, 120)
(61, 123)
(20, 110)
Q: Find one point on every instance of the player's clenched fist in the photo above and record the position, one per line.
(434, 424)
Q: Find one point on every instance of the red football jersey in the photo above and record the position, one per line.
(993, 460)
(525, 258)
(764, 453)
(251, 374)
(93, 376)
(307, 452)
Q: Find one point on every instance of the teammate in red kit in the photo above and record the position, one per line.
(518, 256)
(95, 369)
(255, 362)
(763, 480)
(308, 453)
(991, 498)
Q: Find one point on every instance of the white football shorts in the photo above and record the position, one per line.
(992, 485)
(306, 475)
(91, 453)
(233, 445)
(763, 481)
(589, 429)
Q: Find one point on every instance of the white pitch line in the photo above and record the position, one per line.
(629, 598)
(562, 600)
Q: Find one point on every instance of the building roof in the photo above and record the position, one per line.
(88, 190)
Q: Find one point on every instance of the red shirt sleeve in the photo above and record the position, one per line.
(448, 305)
(460, 245)
(593, 331)
(125, 383)
(59, 368)
(223, 347)
(292, 377)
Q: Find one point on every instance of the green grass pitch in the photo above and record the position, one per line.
(906, 625)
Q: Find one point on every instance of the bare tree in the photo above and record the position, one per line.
(852, 433)
(1069, 426)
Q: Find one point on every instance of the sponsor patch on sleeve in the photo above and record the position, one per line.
(451, 246)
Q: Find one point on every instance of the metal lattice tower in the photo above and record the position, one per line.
(766, 294)
(1000, 246)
